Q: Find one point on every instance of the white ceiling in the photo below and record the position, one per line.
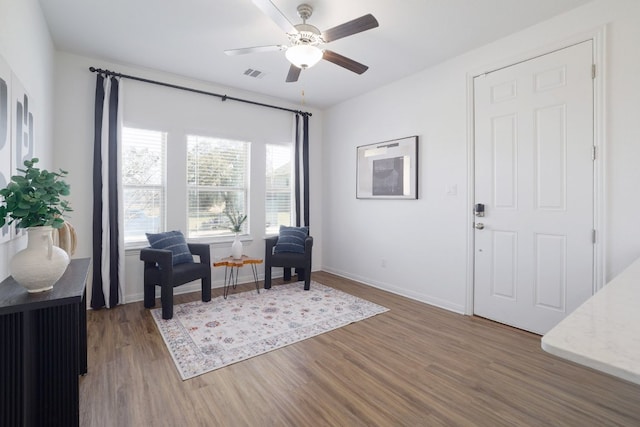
(188, 37)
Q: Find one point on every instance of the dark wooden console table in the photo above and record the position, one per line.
(43, 350)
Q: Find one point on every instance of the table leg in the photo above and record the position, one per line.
(235, 282)
(255, 276)
(227, 281)
(231, 278)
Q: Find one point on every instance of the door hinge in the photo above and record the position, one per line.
(593, 71)
(594, 152)
(593, 236)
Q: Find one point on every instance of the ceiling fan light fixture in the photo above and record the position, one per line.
(303, 55)
(306, 40)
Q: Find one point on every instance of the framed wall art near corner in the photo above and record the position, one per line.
(388, 169)
(5, 135)
(23, 133)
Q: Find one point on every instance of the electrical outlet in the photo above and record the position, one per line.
(383, 263)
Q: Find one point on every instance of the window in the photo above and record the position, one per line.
(217, 181)
(278, 187)
(143, 182)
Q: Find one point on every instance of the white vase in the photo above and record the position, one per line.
(236, 248)
(41, 264)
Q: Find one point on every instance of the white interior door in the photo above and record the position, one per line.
(534, 175)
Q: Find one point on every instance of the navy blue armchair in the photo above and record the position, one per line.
(288, 260)
(160, 271)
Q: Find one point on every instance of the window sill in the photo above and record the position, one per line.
(214, 241)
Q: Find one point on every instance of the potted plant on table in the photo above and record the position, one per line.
(34, 201)
(236, 219)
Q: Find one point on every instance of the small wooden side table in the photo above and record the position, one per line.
(231, 276)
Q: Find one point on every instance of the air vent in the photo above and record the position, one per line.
(250, 72)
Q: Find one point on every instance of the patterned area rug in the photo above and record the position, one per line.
(203, 336)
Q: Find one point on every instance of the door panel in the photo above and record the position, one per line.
(551, 148)
(505, 268)
(551, 278)
(533, 260)
(505, 167)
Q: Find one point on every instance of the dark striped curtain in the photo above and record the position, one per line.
(108, 248)
(301, 178)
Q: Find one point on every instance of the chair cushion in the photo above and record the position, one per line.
(291, 239)
(185, 273)
(173, 241)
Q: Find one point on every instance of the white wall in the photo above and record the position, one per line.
(26, 46)
(178, 113)
(423, 243)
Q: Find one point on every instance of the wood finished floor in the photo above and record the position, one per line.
(415, 365)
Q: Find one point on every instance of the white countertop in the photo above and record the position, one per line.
(604, 332)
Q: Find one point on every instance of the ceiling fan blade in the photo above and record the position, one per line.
(344, 62)
(255, 49)
(294, 73)
(355, 26)
(276, 16)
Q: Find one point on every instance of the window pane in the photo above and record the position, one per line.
(143, 212)
(143, 160)
(278, 187)
(217, 177)
(142, 157)
(207, 211)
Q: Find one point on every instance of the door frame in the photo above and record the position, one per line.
(598, 37)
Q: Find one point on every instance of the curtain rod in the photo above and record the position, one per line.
(203, 92)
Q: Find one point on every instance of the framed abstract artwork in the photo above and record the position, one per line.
(23, 134)
(5, 135)
(388, 169)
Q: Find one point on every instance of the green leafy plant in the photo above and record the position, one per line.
(236, 220)
(33, 199)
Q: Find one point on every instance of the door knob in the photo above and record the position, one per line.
(479, 225)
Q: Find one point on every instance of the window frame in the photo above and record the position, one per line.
(268, 189)
(161, 187)
(222, 224)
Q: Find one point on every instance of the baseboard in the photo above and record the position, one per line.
(427, 299)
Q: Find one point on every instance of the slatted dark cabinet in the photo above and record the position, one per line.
(43, 350)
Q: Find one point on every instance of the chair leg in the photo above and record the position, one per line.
(206, 289)
(287, 274)
(307, 279)
(149, 295)
(166, 298)
(267, 277)
(301, 274)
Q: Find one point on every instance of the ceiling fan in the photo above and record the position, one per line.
(305, 40)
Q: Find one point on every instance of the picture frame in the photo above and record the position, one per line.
(22, 134)
(388, 169)
(5, 136)
(23, 125)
